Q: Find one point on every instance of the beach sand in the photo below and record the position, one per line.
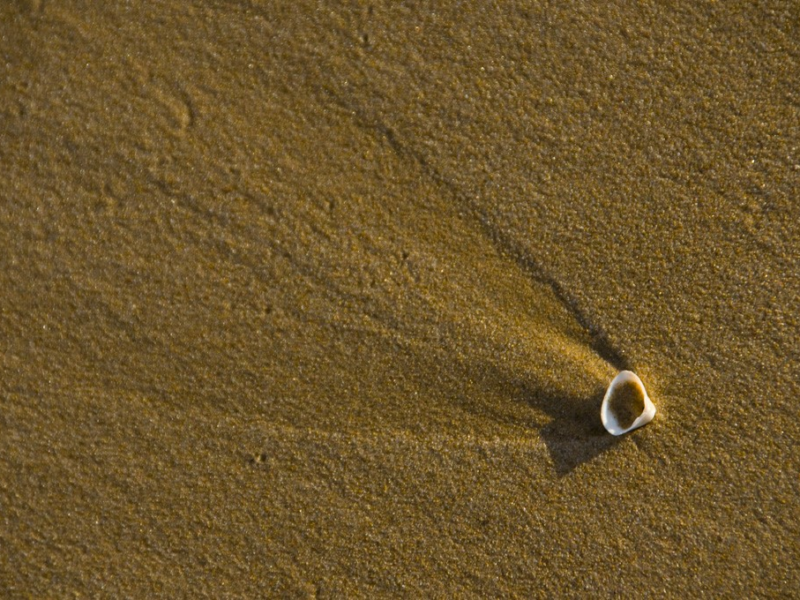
(321, 299)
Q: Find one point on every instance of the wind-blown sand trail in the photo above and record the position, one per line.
(307, 299)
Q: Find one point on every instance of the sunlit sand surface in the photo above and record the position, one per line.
(321, 300)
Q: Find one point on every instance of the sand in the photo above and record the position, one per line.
(626, 403)
(320, 300)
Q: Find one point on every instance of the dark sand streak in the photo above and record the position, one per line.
(573, 437)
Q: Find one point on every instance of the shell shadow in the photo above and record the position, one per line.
(575, 435)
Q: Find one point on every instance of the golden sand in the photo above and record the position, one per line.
(303, 299)
(627, 403)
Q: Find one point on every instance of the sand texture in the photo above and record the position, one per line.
(319, 299)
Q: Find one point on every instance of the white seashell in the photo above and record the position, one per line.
(626, 404)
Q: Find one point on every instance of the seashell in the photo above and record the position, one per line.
(626, 404)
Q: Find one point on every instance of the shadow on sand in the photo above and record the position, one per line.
(575, 437)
